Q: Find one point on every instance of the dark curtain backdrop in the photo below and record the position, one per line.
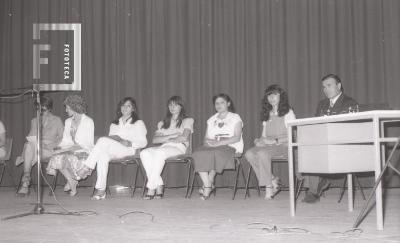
(152, 49)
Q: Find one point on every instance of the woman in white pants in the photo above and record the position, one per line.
(173, 135)
(127, 134)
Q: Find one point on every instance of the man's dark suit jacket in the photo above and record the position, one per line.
(341, 106)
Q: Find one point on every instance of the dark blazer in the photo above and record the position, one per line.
(341, 106)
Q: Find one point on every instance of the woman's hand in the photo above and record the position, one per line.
(116, 138)
(262, 142)
(268, 141)
(212, 143)
(259, 142)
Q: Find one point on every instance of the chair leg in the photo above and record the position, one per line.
(11, 177)
(359, 186)
(20, 182)
(108, 191)
(2, 173)
(144, 177)
(246, 187)
(53, 187)
(243, 175)
(192, 183)
(144, 187)
(236, 179)
(342, 189)
(189, 164)
(135, 180)
(299, 184)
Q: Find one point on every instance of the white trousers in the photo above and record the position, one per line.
(106, 149)
(153, 160)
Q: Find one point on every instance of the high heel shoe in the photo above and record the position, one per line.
(99, 195)
(272, 190)
(207, 192)
(159, 192)
(149, 196)
(67, 187)
(201, 189)
(78, 170)
(72, 185)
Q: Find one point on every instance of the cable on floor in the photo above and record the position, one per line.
(137, 212)
(66, 211)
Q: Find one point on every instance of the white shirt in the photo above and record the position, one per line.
(84, 135)
(225, 128)
(187, 123)
(334, 99)
(134, 133)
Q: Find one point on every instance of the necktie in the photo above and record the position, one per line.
(331, 103)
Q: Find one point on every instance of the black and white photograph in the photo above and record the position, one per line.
(199, 121)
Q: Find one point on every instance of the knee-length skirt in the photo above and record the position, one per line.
(214, 158)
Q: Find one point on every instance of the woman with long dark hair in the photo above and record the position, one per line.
(275, 112)
(173, 135)
(127, 134)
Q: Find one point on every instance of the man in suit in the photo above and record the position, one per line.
(336, 102)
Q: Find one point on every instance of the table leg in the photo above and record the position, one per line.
(350, 192)
(378, 192)
(291, 174)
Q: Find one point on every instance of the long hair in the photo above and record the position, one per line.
(134, 114)
(182, 115)
(283, 107)
(226, 97)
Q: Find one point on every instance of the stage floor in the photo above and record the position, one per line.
(176, 219)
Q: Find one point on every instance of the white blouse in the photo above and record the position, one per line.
(84, 135)
(134, 133)
(187, 123)
(217, 127)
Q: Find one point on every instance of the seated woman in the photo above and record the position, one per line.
(173, 133)
(222, 140)
(275, 113)
(51, 135)
(2, 140)
(77, 141)
(127, 134)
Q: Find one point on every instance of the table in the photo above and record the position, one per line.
(370, 135)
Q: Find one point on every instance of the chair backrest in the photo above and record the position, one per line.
(8, 148)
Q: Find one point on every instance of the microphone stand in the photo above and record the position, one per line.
(38, 209)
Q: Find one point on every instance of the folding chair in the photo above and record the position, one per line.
(238, 168)
(3, 160)
(44, 163)
(183, 159)
(133, 160)
(280, 159)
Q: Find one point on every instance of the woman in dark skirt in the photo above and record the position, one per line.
(222, 140)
